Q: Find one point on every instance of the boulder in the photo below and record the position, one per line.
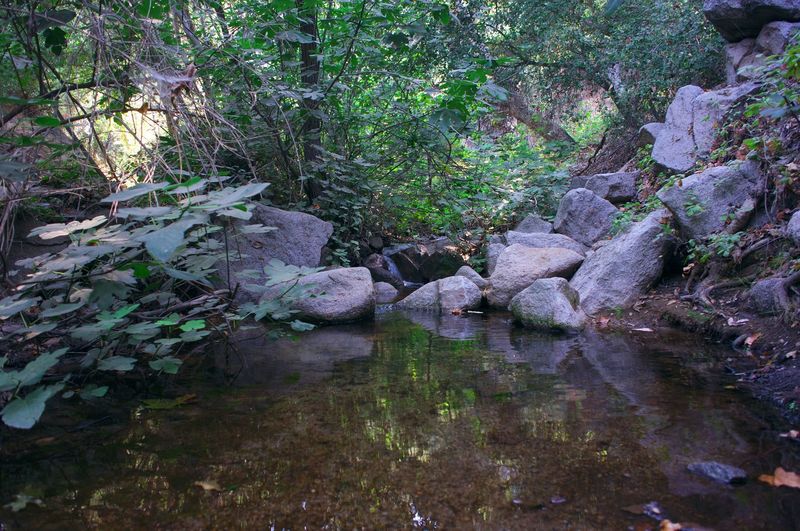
(702, 201)
(385, 293)
(618, 273)
(297, 240)
(520, 266)
(472, 275)
(775, 37)
(493, 252)
(546, 241)
(549, 303)
(584, 216)
(739, 55)
(719, 472)
(648, 134)
(708, 114)
(335, 296)
(619, 187)
(764, 296)
(740, 19)
(426, 261)
(793, 228)
(674, 148)
(447, 294)
(534, 224)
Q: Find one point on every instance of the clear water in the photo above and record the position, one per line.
(414, 421)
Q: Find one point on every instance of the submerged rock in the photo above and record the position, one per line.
(584, 216)
(719, 472)
(447, 294)
(335, 296)
(546, 241)
(549, 303)
(619, 187)
(297, 240)
(469, 273)
(702, 201)
(519, 266)
(534, 224)
(385, 293)
(618, 273)
(740, 19)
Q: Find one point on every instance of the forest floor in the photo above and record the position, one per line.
(764, 356)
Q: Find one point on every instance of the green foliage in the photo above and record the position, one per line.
(717, 245)
(780, 94)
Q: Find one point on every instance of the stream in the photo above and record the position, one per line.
(416, 421)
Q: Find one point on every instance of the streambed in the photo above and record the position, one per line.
(421, 421)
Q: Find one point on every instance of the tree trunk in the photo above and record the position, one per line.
(309, 76)
(516, 107)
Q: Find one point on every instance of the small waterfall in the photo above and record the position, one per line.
(392, 267)
(388, 252)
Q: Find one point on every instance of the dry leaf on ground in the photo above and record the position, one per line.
(781, 478)
(208, 484)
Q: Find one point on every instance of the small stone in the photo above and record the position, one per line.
(719, 472)
(534, 224)
(385, 293)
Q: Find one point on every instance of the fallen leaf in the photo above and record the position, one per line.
(208, 485)
(666, 525)
(642, 329)
(791, 355)
(781, 478)
(457, 311)
(752, 339)
(791, 434)
(732, 321)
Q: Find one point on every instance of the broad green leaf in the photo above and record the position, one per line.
(62, 309)
(55, 230)
(168, 364)
(47, 121)
(162, 243)
(143, 213)
(23, 413)
(33, 372)
(300, 326)
(92, 391)
(135, 191)
(117, 363)
(13, 305)
(195, 324)
(170, 320)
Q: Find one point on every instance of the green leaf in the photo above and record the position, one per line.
(23, 413)
(170, 320)
(12, 306)
(162, 243)
(294, 36)
(92, 391)
(47, 121)
(168, 364)
(135, 191)
(117, 363)
(195, 324)
(32, 373)
(300, 326)
(124, 311)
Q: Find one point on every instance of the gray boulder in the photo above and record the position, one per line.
(385, 293)
(335, 296)
(447, 294)
(584, 216)
(793, 228)
(702, 201)
(648, 134)
(545, 241)
(618, 273)
(619, 187)
(297, 240)
(775, 37)
(739, 55)
(764, 296)
(535, 224)
(549, 303)
(740, 19)
(520, 266)
(674, 148)
(493, 252)
(708, 114)
(472, 275)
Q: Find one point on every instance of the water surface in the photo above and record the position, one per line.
(415, 421)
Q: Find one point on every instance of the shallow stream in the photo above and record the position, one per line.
(418, 421)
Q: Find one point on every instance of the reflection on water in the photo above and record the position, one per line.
(426, 421)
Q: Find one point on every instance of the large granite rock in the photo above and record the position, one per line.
(793, 228)
(584, 216)
(775, 37)
(619, 187)
(335, 296)
(447, 294)
(738, 56)
(708, 114)
(472, 275)
(740, 19)
(545, 241)
(493, 252)
(520, 266)
(549, 303)
(618, 273)
(746, 59)
(297, 240)
(674, 148)
(648, 134)
(702, 201)
(533, 223)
